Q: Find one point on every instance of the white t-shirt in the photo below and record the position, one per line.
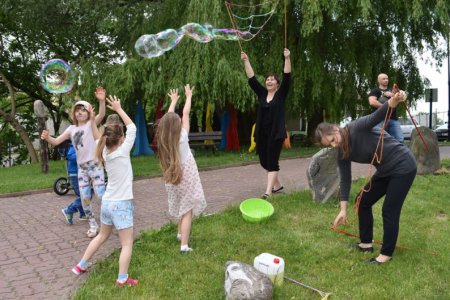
(184, 149)
(119, 170)
(83, 141)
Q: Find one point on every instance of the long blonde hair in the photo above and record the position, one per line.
(168, 136)
(325, 128)
(111, 137)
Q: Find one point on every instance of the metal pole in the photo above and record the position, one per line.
(448, 77)
(430, 125)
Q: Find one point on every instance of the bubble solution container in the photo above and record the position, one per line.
(272, 266)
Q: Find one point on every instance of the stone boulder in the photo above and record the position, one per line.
(244, 282)
(428, 161)
(323, 175)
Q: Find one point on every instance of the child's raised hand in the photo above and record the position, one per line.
(114, 103)
(100, 93)
(44, 134)
(188, 90)
(91, 111)
(173, 94)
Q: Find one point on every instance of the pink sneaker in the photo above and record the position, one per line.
(78, 270)
(129, 282)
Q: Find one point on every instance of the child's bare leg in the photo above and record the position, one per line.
(105, 232)
(126, 240)
(185, 227)
(179, 231)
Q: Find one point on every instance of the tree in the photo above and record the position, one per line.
(11, 119)
(32, 32)
(338, 48)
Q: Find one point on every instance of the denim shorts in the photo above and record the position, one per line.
(117, 213)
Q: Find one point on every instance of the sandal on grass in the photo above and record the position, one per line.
(278, 189)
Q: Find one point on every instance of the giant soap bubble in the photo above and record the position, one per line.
(57, 77)
(154, 45)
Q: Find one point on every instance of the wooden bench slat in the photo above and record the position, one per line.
(198, 138)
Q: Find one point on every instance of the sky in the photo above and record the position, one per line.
(439, 79)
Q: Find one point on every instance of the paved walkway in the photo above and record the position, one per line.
(37, 248)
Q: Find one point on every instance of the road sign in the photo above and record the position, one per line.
(431, 95)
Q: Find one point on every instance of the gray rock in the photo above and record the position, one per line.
(244, 282)
(323, 175)
(428, 161)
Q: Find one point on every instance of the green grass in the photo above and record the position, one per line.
(29, 177)
(299, 231)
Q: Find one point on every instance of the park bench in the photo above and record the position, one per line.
(197, 139)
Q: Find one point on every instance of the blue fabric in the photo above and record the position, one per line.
(71, 156)
(83, 264)
(224, 122)
(76, 205)
(117, 213)
(394, 129)
(122, 277)
(141, 146)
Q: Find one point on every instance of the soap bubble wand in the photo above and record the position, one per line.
(324, 295)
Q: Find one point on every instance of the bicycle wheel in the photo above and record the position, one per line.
(61, 186)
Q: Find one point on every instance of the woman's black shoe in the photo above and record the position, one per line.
(361, 249)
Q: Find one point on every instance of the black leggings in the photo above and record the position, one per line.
(269, 153)
(395, 188)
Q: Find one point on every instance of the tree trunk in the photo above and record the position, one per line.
(44, 146)
(316, 118)
(23, 135)
(11, 119)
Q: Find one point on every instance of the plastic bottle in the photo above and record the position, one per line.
(272, 266)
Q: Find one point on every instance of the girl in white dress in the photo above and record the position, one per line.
(184, 188)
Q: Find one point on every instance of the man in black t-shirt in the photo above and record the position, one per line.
(377, 97)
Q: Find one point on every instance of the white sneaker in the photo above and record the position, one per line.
(92, 232)
(187, 250)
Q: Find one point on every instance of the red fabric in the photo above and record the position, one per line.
(159, 110)
(232, 132)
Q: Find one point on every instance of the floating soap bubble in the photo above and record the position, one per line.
(147, 46)
(230, 34)
(154, 45)
(168, 39)
(246, 26)
(56, 76)
(199, 33)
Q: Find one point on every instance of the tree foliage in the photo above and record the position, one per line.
(337, 47)
(32, 32)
